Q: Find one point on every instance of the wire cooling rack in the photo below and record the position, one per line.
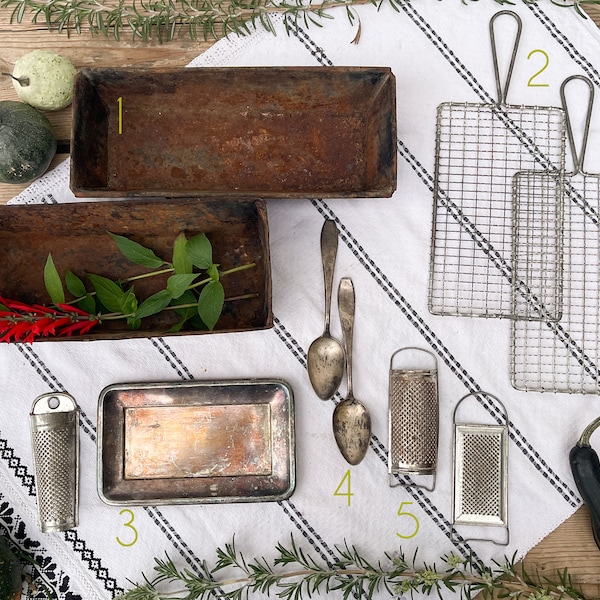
(563, 356)
(479, 148)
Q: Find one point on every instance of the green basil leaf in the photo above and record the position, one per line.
(178, 284)
(134, 323)
(88, 304)
(210, 303)
(154, 304)
(108, 292)
(199, 251)
(181, 263)
(53, 282)
(129, 302)
(213, 272)
(75, 285)
(136, 253)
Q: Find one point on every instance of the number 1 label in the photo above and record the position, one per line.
(120, 120)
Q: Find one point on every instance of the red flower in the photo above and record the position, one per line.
(25, 323)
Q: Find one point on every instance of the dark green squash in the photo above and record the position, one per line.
(10, 573)
(27, 142)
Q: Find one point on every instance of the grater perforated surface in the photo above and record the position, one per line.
(53, 451)
(479, 488)
(413, 421)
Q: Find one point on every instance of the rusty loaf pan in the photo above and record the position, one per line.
(266, 132)
(196, 442)
(76, 236)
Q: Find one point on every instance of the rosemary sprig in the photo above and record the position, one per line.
(205, 19)
(295, 574)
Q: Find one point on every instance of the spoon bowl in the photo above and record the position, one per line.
(351, 418)
(326, 355)
(325, 365)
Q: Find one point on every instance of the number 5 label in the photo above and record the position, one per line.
(412, 523)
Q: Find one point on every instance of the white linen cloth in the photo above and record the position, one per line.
(438, 51)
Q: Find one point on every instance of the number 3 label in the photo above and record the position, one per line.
(413, 521)
(129, 525)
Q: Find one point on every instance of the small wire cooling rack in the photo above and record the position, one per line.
(563, 356)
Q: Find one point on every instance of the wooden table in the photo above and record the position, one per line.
(572, 544)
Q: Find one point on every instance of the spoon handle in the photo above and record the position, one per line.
(329, 246)
(346, 307)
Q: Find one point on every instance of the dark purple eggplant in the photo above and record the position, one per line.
(585, 467)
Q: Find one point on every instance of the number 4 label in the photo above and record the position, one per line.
(412, 523)
(344, 485)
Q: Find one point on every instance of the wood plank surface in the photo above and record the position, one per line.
(572, 544)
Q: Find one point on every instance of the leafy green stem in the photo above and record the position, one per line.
(221, 274)
(207, 19)
(351, 574)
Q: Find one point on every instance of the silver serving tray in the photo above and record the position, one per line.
(196, 442)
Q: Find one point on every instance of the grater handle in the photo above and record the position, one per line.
(501, 90)
(578, 157)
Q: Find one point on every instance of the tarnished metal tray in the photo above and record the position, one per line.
(196, 442)
(270, 132)
(76, 236)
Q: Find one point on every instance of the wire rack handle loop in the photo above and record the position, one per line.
(578, 157)
(500, 90)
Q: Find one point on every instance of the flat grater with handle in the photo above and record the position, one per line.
(564, 356)
(54, 425)
(480, 480)
(413, 417)
(479, 147)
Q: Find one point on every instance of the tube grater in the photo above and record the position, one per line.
(413, 415)
(54, 426)
(480, 470)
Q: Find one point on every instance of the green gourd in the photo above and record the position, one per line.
(585, 467)
(27, 142)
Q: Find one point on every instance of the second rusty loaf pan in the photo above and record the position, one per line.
(76, 235)
(269, 132)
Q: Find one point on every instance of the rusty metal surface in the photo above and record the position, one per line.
(270, 132)
(196, 442)
(76, 236)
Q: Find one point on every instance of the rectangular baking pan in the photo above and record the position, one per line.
(76, 236)
(268, 132)
(196, 442)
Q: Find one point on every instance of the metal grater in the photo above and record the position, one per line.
(480, 471)
(413, 415)
(54, 424)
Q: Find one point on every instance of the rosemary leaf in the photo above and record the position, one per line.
(208, 19)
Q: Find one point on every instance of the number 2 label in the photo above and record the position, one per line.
(546, 59)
